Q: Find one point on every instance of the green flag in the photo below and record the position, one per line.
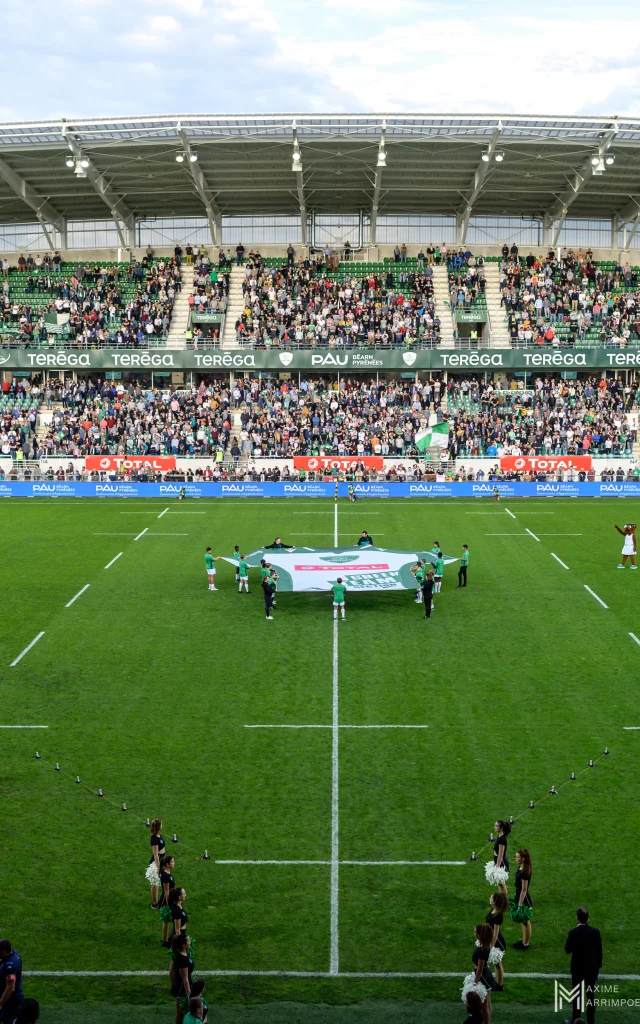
(432, 437)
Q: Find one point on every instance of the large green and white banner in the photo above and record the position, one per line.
(320, 360)
(367, 568)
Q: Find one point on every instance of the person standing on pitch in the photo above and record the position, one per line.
(236, 557)
(464, 565)
(584, 943)
(438, 571)
(338, 597)
(243, 574)
(268, 587)
(351, 492)
(629, 548)
(210, 563)
(418, 571)
(11, 996)
(427, 593)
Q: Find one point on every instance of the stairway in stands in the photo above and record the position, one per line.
(497, 317)
(180, 315)
(235, 305)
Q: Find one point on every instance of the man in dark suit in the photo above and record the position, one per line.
(585, 946)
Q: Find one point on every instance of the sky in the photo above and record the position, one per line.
(87, 58)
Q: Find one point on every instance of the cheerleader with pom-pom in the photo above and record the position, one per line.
(167, 883)
(520, 905)
(500, 859)
(481, 981)
(157, 851)
(499, 906)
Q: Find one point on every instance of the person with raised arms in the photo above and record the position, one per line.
(364, 540)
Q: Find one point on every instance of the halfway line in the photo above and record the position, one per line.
(335, 797)
(79, 594)
(114, 560)
(593, 594)
(532, 534)
(24, 726)
(313, 974)
(141, 534)
(28, 648)
(559, 560)
(339, 727)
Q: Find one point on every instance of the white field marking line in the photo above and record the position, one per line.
(335, 525)
(164, 511)
(141, 534)
(634, 637)
(559, 560)
(532, 535)
(631, 728)
(79, 594)
(335, 800)
(352, 863)
(510, 513)
(114, 560)
(28, 648)
(339, 727)
(593, 594)
(24, 726)
(312, 974)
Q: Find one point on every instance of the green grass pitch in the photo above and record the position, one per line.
(147, 681)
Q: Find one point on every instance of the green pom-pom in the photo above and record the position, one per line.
(519, 914)
(165, 914)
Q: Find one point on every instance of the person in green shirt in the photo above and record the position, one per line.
(243, 574)
(266, 570)
(210, 564)
(435, 550)
(464, 563)
(196, 1008)
(339, 590)
(438, 571)
(236, 558)
(419, 570)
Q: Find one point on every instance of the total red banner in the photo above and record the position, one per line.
(544, 463)
(106, 463)
(320, 462)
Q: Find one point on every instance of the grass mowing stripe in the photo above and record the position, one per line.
(339, 726)
(27, 648)
(79, 594)
(559, 560)
(141, 534)
(593, 594)
(533, 976)
(335, 801)
(532, 534)
(108, 566)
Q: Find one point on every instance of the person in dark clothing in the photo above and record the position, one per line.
(269, 585)
(29, 1012)
(427, 593)
(278, 545)
(364, 541)
(11, 997)
(584, 944)
(474, 1009)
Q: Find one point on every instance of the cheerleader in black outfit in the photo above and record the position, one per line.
(498, 908)
(167, 883)
(157, 851)
(179, 915)
(500, 859)
(197, 988)
(480, 957)
(180, 971)
(474, 1009)
(521, 906)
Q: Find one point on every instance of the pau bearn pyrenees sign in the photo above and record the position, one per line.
(329, 361)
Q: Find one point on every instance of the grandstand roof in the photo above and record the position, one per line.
(433, 165)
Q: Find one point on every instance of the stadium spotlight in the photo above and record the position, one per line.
(485, 157)
(80, 166)
(179, 158)
(382, 156)
(70, 162)
(498, 157)
(193, 156)
(84, 162)
(609, 159)
(595, 160)
(296, 162)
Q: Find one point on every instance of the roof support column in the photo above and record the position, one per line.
(463, 215)
(123, 217)
(558, 212)
(214, 216)
(47, 216)
(296, 167)
(377, 184)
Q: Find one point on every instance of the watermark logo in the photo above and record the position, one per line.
(565, 996)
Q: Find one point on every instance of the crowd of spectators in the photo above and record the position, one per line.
(569, 300)
(294, 304)
(466, 279)
(210, 285)
(556, 417)
(120, 305)
(105, 418)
